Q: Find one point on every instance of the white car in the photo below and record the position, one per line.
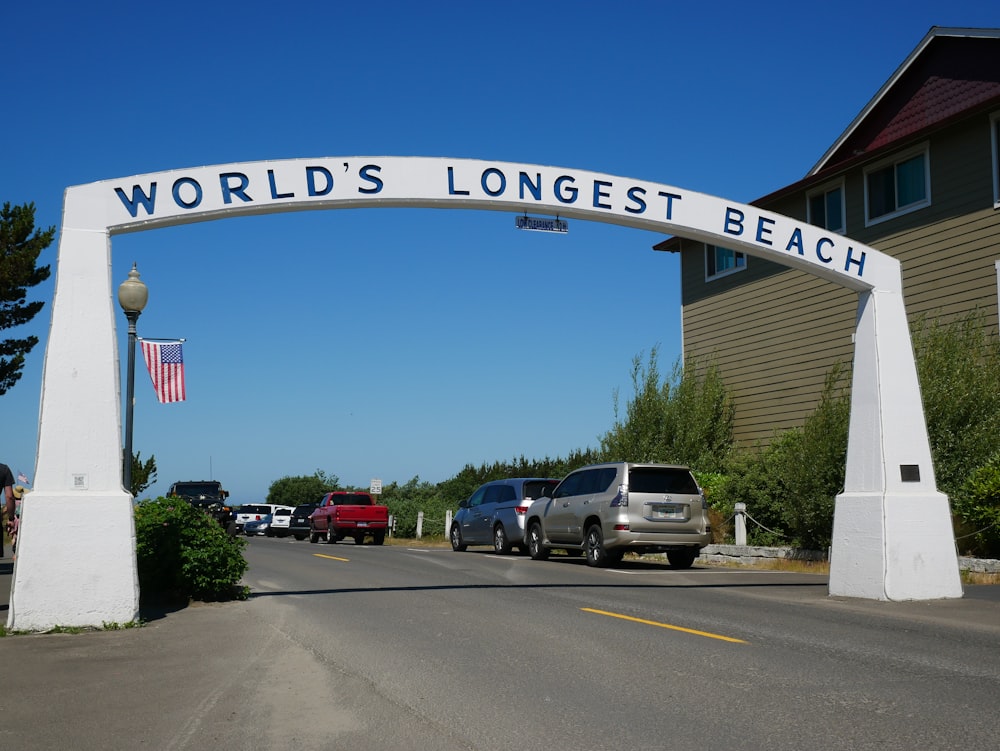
(253, 512)
(280, 518)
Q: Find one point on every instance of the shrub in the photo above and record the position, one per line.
(978, 507)
(182, 553)
(958, 363)
(790, 487)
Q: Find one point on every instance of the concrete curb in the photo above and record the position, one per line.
(750, 554)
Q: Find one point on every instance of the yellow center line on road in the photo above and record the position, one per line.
(665, 625)
(332, 557)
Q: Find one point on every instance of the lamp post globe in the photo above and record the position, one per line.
(132, 296)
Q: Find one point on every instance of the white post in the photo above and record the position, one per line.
(741, 524)
(420, 524)
(392, 524)
(447, 522)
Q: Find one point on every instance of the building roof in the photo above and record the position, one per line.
(951, 71)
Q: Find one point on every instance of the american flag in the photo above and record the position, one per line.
(22, 478)
(165, 363)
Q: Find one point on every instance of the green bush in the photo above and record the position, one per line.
(182, 554)
(790, 487)
(753, 478)
(978, 507)
(958, 363)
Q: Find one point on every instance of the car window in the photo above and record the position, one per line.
(571, 485)
(352, 499)
(662, 480)
(494, 494)
(477, 497)
(539, 488)
(603, 478)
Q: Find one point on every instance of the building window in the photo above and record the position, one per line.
(995, 130)
(826, 208)
(897, 187)
(722, 261)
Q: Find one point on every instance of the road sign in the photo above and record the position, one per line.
(541, 224)
(376, 486)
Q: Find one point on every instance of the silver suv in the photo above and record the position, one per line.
(607, 510)
(495, 513)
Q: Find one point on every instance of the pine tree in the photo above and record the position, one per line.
(20, 246)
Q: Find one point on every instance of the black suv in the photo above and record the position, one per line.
(207, 495)
(298, 525)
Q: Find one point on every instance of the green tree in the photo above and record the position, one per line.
(143, 474)
(20, 246)
(686, 419)
(293, 491)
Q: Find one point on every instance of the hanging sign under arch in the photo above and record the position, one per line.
(892, 533)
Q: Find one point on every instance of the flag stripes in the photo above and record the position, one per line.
(165, 363)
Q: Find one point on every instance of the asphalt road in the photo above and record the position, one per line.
(428, 648)
(363, 647)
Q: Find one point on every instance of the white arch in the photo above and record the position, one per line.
(892, 535)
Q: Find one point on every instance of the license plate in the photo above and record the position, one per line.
(668, 511)
(362, 524)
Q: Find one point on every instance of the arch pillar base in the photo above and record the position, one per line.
(76, 564)
(893, 546)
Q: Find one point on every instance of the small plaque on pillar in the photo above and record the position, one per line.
(909, 472)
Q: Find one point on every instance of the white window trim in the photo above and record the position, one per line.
(823, 190)
(727, 272)
(995, 138)
(902, 156)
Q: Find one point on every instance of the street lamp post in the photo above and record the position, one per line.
(132, 296)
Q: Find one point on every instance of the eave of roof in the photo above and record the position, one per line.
(936, 32)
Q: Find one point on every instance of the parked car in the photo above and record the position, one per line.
(494, 514)
(258, 526)
(250, 512)
(609, 509)
(280, 519)
(298, 523)
(254, 512)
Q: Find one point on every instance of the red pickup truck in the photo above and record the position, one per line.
(348, 514)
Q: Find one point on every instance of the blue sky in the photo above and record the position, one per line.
(396, 343)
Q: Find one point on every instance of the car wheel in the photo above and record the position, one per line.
(379, 537)
(682, 558)
(331, 537)
(536, 548)
(456, 540)
(313, 535)
(500, 542)
(594, 545)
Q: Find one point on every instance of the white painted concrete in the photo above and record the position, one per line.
(890, 539)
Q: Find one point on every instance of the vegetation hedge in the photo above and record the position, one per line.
(184, 554)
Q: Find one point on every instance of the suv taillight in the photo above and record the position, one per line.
(520, 510)
(621, 499)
